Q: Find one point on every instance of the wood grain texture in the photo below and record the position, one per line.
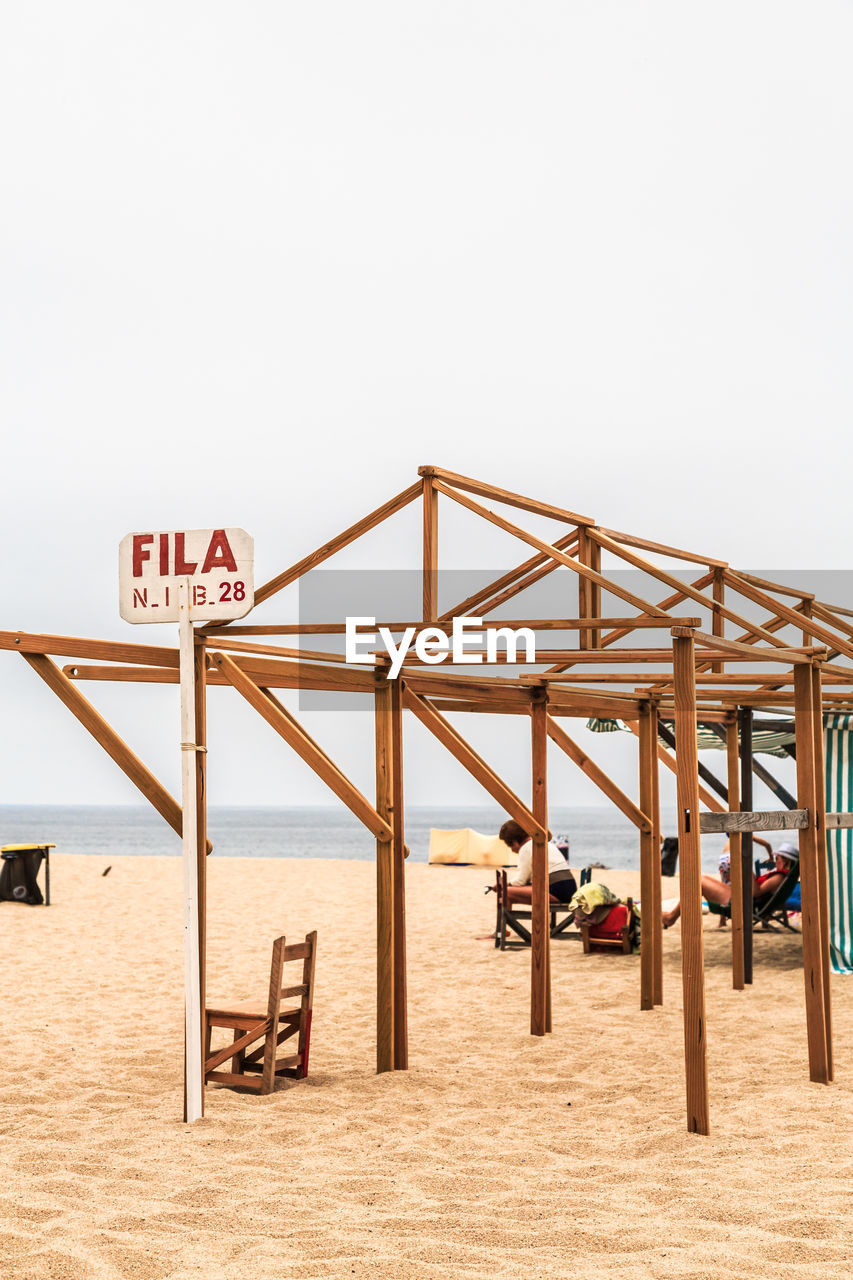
(505, 495)
(755, 820)
(384, 880)
(540, 960)
(597, 775)
(649, 851)
(430, 552)
(690, 878)
(736, 870)
(807, 785)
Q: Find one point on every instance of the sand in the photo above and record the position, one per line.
(497, 1155)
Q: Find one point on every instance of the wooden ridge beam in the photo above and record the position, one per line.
(289, 728)
(815, 630)
(643, 544)
(450, 738)
(549, 549)
(639, 562)
(504, 495)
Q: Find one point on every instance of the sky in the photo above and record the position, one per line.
(260, 262)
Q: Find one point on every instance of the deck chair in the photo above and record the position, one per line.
(618, 930)
(510, 915)
(253, 1065)
(767, 910)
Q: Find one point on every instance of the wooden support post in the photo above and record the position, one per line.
(540, 959)
(401, 1019)
(690, 862)
(200, 681)
(822, 857)
(384, 878)
(807, 789)
(718, 622)
(649, 851)
(430, 581)
(657, 907)
(736, 868)
(746, 844)
(193, 1016)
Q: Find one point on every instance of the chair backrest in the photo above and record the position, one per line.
(763, 909)
(283, 954)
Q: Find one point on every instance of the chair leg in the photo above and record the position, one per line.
(237, 1060)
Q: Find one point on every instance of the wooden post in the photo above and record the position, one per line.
(649, 850)
(692, 955)
(200, 690)
(384, 877)
(816, 1026)
(430, 582)
(540, 960)
(193, 1059)
(657, 908)
(736, 867)
(746, 844)
(401, 1022)
(718, 622)
(822, 856)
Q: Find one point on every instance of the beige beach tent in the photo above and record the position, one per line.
(467, 847)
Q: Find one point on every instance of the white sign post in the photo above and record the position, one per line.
(179, 576)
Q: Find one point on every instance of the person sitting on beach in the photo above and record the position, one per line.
(725, 865)
(561, 882)
(762, 886)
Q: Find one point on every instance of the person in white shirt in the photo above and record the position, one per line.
(561, 882)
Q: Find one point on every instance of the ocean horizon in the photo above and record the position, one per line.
(596, 834)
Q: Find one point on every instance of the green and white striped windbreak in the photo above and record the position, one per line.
(839, 799)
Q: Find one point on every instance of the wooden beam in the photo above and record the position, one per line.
(328, 549)
(504, 495)
(793, 616)
(735, 866)
(288, 727)
(754, 820)
(450, 738)
(510, 581)
(649, 851)
(399, 853)
(100, 650)
(200, 739)
(644, 544)
(384, 881)
(104, 734)
(670, 761)
(690, 876)
(822, 860)
(657, 906)
(597, 775)
(540, 958)
(807, 785)
(541, 545)
(430, 550)
(745, 726)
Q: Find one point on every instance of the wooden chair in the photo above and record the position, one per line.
(621, 937)
(510, 915)
(271, 1023)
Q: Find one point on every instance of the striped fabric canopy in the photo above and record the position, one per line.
(770, 742)
(839, 796)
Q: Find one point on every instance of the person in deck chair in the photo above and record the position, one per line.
(561, 882)
(762, 886)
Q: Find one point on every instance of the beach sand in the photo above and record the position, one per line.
(496, 1155)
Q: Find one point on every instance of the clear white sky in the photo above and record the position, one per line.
(260, 261)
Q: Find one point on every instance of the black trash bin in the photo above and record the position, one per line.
(19, 874)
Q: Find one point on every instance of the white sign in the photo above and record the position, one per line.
(219, 564)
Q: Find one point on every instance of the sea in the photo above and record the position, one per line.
(597, 836)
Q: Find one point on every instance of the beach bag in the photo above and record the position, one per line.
(19, 878)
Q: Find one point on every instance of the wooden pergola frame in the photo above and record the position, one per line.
(696, 682)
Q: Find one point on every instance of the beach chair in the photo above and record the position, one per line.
(253, 1065)
(510, 915)
(767, 910)
(617, 930)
